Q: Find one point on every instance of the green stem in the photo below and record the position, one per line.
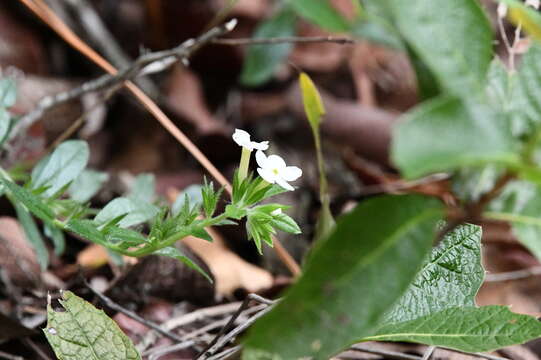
(244, 163)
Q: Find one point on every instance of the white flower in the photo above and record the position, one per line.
(273, 169)
(242, 138)
(502, 10)
(534, 3)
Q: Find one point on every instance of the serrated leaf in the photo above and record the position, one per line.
(195, 198)
(321, 13)
(376, 249)
(33, 235)
(451, 277)
(83, 332)
(262, 60)
(468, 329)
(87, 229)
(8, 92)
(86, 185)
(443, 134)
(137, 212)
(460, 63)
(60, 168)
(175, 253)
(31, 201)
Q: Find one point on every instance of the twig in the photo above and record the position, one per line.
(5, 355)
(243, 306)
(233, 334)
(514, 275)
(152, 325)
(50, 18)
(288, 39)
(226, 353)
(428, 353)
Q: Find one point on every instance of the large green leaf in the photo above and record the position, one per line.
(262, 60)
(443, 134)
(82, 332)
(461, 59)
(321, 13)
(377, 250)
(451, 277)
(465, 328)
(61, 167)
(137, 211)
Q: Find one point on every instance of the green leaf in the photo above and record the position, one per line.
(57, 236)
(33, 235)
(174, 253)
(61, 167)
(313, 105)
(210, 197)
(8, 92)
(137, 212)
(31, 201)
(83, 332)
(126, 237)
(262, 60)
(5, 124)
(376, 249)
(321, 13)
(144, 188)
(461, 61)
(520, 204)
(443, 134)
(451, 277)
(201, 233)
(194, 195)
(87, 229)
(86, 185)
(285, 223)
(468, 329)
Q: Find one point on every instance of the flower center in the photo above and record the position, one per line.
(275, 171)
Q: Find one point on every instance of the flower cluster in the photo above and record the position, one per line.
(272, 169)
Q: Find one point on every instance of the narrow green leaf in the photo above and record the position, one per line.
(313, 105)
(8, 92)
(174, 253)
(31, 201)
(285, 223)
(82, 332)
(461, 62)
(33, 235)
(528, 18)
(86, 185)
(443, 134)
(262, 60)
(451, 277)
(87, 229)
(376, 250)
(57, 237)
(126, 237)
(468, 329)
(201, 233)
(137, 212)
(321, 13)
(61, 167)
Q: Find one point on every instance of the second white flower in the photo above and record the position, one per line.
(273, 169)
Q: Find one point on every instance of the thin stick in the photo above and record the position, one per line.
(514, 275)
(50, 18)
(5, 355)
(226, 353)
(150, 324)
(428, 353)
(285, 40)
(243, 306)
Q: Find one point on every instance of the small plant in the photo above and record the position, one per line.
(49, 194)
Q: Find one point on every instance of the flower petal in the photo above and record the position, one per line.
(275, 162)
(284, 184)
(291, 173)
(267, 174)
(264, 145)
(242, 138)
(261, 159)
